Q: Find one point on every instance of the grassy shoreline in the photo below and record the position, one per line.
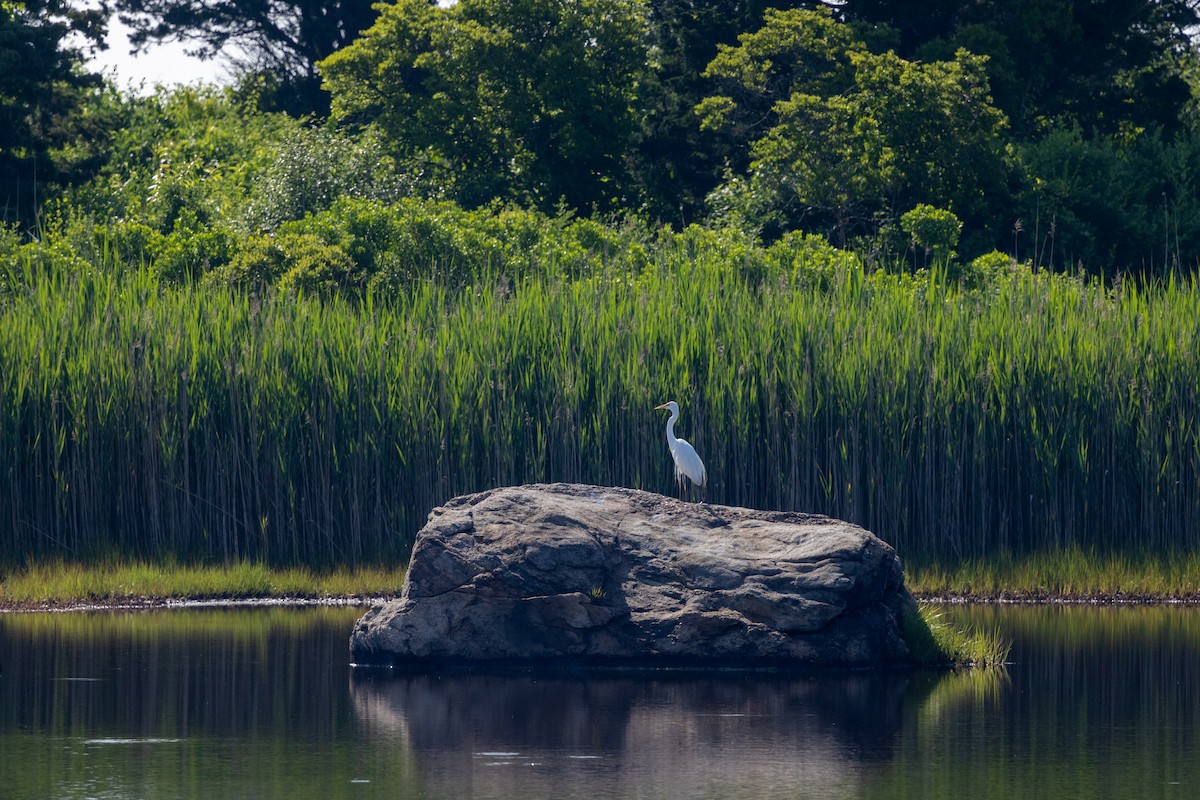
(1071, 575)
(65, 585)
(1067, 577)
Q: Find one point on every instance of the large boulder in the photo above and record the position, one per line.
(564, 574)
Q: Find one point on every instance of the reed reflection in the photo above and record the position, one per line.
(1096, 703)
(1103, 677)
(171, 674)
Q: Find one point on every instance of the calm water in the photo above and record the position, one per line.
(228, 704)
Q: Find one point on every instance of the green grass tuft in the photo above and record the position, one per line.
(934, 642)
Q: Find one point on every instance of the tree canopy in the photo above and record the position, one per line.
(675, 163)
(522, 100)
(836, 135)
(1073, 119)
(1103, 64)
(280, 40)
(42, 84)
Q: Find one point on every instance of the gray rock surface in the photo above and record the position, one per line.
(603, 576)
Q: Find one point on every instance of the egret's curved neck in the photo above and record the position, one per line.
(671, 425)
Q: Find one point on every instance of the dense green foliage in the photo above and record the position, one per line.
(239, 335)
(675, 163)
(839, 136)
(527, 101)
(835, 119)
(1028, 412)
(1127, 60)
(1064, 129)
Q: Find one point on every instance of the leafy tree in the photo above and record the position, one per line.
(824, 155)
(525, 100)
(794, 52)
(675, 163)
(1107, 206)
(1099, 96)
(1109, 65)
(839, 135)
(42, 86)
(280, 41)
(314, 167)
(948, 137)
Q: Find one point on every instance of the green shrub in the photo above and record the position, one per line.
(186, 253)
(133, 242)
(810, 260)
(287, 261)
(189, 255)
(397, 245)
(317, 267)
(183, 151)
(986, 270)
(312, 169)
(932, 232)
(437, 241)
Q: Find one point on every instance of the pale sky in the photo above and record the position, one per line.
(166, 64)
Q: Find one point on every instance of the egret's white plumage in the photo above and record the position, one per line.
(687, 462)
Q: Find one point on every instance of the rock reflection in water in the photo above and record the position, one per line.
(724, 736)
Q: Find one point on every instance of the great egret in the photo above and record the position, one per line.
(687, 462)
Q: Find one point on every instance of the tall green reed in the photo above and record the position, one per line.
(218, 424)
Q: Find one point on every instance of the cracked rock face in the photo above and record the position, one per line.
(601, 576)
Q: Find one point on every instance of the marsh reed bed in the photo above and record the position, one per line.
(1030, 412)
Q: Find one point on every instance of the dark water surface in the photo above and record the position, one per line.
(261, 703)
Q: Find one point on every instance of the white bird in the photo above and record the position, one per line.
(687, 462)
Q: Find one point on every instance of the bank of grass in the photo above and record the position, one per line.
(1068, 575)
(63, 584)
